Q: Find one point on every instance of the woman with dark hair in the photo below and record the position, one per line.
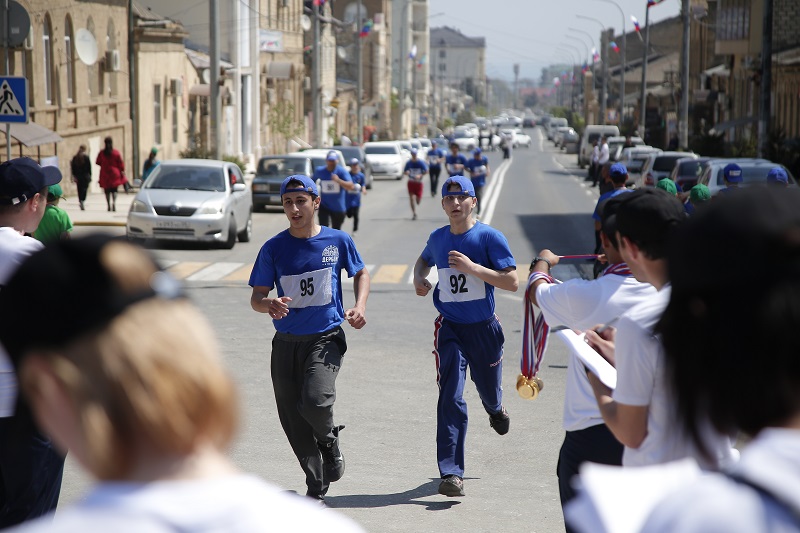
(732, 359)
(112, 172)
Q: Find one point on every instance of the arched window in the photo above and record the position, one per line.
(47, 42)
(111, 46)
(69, 59)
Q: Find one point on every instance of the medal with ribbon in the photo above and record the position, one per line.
(534, 343)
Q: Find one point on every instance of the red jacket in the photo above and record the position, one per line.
(112, 169)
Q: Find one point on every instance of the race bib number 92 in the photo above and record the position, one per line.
(455, 286)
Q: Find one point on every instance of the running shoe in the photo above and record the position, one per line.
(332, 458)
(451, 486)
(500, 421)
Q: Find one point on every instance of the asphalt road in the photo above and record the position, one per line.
(387, 391)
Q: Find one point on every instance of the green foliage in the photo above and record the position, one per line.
(464, 117)
(560, 112)
(708, 145)
(744, 148)
(281, 117)
(447, 123)
(196, 149)
(332, 134)
(234, 159)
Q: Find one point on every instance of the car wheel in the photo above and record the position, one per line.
(247, 232)
(231, 240)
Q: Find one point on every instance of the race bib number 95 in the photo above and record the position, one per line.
(455, 286)
(330, 187)
(310, 289)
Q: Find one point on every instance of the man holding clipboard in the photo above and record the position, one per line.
(581, 304)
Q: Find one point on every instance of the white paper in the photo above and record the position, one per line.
(593, 360)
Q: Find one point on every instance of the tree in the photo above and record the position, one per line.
(281, 117)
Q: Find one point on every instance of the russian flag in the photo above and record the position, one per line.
(636, 24)
(595, 55)
(614, 46)
(366, 29)
(413, 53)
(651, 3)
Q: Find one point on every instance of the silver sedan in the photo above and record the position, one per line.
(199, 200)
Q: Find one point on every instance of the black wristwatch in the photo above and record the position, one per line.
(537, 259)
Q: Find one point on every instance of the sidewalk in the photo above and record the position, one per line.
(96, 213)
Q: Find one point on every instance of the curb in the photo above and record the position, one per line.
(99, 223)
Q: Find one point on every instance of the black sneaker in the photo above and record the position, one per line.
(500, 421)
(332, 458)
(451, 486)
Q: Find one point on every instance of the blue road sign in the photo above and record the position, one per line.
(14, 100)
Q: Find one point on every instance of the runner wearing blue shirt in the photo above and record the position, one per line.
(478, 168)
(304, 263)
(354, 196)
(334, 181)
(471, 259)
(454, 161)
(415, 170)
(435, 159)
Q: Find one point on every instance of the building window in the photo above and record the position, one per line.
(733, 20)
(47, 48)
(69, 57)
(174, 118)
(111, 45)
(157, 111)
(93, 71)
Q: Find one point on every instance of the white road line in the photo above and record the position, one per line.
(215, 271)
(487, 211)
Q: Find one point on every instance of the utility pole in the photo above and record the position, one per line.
(683, 121)
(215, 107)
(401, 63)
(516, 85)
(764, 101)
(360, 76)
(643, 110)
(134, 95)
(604, 88)
(316, 108)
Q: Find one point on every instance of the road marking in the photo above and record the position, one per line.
(389, 274)
(214, 271)
(185, 269)
(433, 277)
(242, 274)
(493, 194)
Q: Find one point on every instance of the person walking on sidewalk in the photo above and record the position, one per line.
(81, 167)
(472, 259)
(112, 172)
(150, 163)
(304, 264)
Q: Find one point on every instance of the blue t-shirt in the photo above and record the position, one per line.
(354, 197)
(598, 208)
(416, 169)
(454, 159)
(331, 193)
(460, 297)
(477, 170)
(434, 156)
(309, 272)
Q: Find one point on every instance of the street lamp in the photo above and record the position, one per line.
(604, 86)
(624, 51)
(586, 33)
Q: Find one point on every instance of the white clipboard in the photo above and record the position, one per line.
(593, 360)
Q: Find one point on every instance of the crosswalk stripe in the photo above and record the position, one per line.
(185, 269)
(242, 274)
(389, 274)
(214, 271)
(433, 277)
(166, 263)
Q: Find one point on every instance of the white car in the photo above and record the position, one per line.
(523, 139)
(511, 135)
(465, 140)
(386, 158)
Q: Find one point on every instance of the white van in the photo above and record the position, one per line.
(591, 134)
(553, 125)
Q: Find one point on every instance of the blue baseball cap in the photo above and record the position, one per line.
(477, 151)
(778, 175)
(22, 178)
(732, 173)
(465, 183)
(332, 156)
(308, 185)
(617, 169)
(355, 161)
(434, 142)
(414, 151)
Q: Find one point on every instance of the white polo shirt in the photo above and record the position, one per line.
(581, 304)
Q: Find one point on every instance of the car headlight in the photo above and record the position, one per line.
(138, 206)
(210, 209)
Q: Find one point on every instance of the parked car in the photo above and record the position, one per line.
(687, 171)
(318, 156)
(591, 134)
(523, 139)
(386, 158)
(201, 200)
(349, 152)
(465, 140)
(634, 158)
(528, 121)
(616, 145)
(569, 138)
(553, 125)
(558, 136)
(754, 171)
(658, 166)
(270, 173)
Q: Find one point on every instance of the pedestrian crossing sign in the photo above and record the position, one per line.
(14, 99)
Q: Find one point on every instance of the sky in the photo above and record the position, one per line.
(528, 32)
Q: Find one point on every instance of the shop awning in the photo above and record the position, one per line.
(280, 70)
(729, 124)
(204, 89)
(32, 134)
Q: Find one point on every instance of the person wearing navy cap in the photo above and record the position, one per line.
(778, 176)
(435, 159)
(354, 196)
(415, 169)
(334, 183)
(471, 259)
(479, 170)
(618, 174)
(30, 468)
(304, 264)
(732, 176)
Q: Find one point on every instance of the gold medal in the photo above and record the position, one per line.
(529, 389)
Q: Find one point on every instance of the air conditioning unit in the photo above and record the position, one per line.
(113, 61)
(28, 44)
(176, 86)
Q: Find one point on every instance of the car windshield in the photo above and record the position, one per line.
(281, 166)
(690, 168)
(380, 150)
(750, 174)
(405, 146)
(665, 163)
(349, 152)
(634, 165)
(425, 142)
(193, 178)
(462, 134)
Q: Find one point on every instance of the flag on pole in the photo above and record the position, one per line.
(585, 67)
(595, 55)
(422, 60)
(413, 53)
(638, 28)
(319, 2)
(366, 29)
(651, 3)
(614, 46)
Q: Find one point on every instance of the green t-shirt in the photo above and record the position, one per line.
(54, 222)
